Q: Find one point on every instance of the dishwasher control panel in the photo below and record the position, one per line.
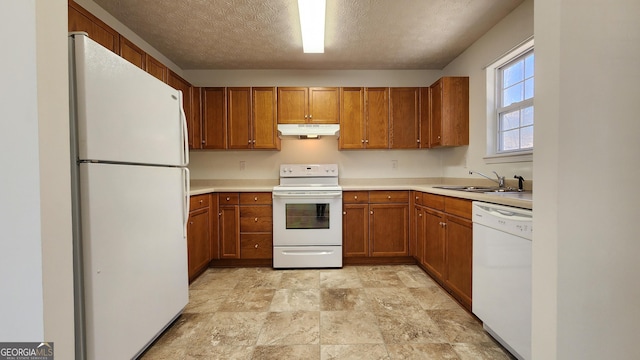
(512, 220)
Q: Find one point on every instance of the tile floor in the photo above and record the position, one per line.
(358, 312)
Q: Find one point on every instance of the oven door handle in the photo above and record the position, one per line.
(324, 195)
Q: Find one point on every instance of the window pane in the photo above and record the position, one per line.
(528, 88)
(513, 94)
(510, 120)
(510, 140)
(526, 137)
(527, 116)
(528, 66)
(513, 74)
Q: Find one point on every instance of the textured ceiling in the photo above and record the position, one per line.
(265, 34)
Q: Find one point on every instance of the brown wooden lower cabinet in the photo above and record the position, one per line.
(229, 225)
(443, 230)
(375, 224)
(198, 235)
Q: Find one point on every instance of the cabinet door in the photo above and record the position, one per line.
(239, 118)
(376, 118)
(82, 20)
(130, 52)
(195, 123)
(352, 133)
(389, 229)
(156, 68)
(198, 243)
(324, 105)
(178, 83)
(355, 230)
(264, 118)
(292, 105)
(229, 231)
(416, 246)
(459, 248)
(455, 111)
(425, 116)
(404, 109)
(433, 248)
(214, 118)
(435, 130)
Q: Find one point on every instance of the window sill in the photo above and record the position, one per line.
(509, 158)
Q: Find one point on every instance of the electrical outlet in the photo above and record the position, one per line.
(394, 164)
(243, 165)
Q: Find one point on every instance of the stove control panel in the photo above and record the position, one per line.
(309, 170)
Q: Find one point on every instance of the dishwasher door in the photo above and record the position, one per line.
(502, 274)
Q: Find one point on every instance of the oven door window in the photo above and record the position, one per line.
(307, 216)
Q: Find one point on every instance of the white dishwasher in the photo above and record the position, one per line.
(502, 274)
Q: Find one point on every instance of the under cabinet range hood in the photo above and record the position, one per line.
(308, 131)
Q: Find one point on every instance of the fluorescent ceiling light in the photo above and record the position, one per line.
(312, 24)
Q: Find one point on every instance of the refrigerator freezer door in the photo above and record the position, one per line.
(134, 254)
(123, 113)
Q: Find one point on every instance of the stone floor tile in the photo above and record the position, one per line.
(340, 278)
(481, 351)
(227, 352)
(290, 328)
(354, 352)
(433, 298)
(389, 298)
(344, 300)
(409, 326)
(205, 300)
(240, 300)
(300, 279)
(380, 279)
(435, 351)
(296, 300)
(234, 328)
(459, 327)
(283, 352)
(349, 327)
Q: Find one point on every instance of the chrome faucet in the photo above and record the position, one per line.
(500, 180)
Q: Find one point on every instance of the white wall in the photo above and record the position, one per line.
(353, 164)
(55, 192)
(21, 305)
(35, 251)
(585, 249)
(509, 32)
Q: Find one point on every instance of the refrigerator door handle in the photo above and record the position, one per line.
(185, 199)
(185, 131)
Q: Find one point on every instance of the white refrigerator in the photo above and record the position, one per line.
(131, 189)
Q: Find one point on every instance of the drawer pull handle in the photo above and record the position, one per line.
(355, 197)
(228, 198)
(255, 198)
(255, 246)
(256, 219)
(201, 201)
(389, 197)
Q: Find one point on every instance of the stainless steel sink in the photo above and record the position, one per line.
(476, 189)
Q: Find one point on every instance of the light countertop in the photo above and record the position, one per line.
(517, 199)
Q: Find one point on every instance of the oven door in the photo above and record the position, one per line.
(307, 218)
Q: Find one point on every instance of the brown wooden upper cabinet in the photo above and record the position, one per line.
(130, 52)
(404, 118)
(315, 105)
(364, 118)
(214, 118)
(449, 120)
(82, 20)
(156, 68)
(251, 118)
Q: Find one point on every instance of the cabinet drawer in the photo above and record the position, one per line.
(417, 197)
(256, 219)
(388, 197)
(355, 197)
(260, 198)
(199, 202)
(458, 207)
(433, 201)
(229, 198)
(256, 246)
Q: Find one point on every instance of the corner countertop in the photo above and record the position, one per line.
(517, 199)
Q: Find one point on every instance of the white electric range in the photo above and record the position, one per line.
(307, 217)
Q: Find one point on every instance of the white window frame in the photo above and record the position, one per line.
(493, 80)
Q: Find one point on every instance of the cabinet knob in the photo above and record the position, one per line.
(203, 141)
(253, 141)
(355, 197)
(190, 222)
(249, 141)
(256, 219)
(306, 116)
(419, 215)
(416, 198)
(201, 201)
(389, 197)
(219, 214)
(371, 212)
(309, 116)
(362, 141)
(255, 246)
(366, 141)
(228, 198)
(418, 140)
(344, 213)
(255, 198)
(438, 137)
